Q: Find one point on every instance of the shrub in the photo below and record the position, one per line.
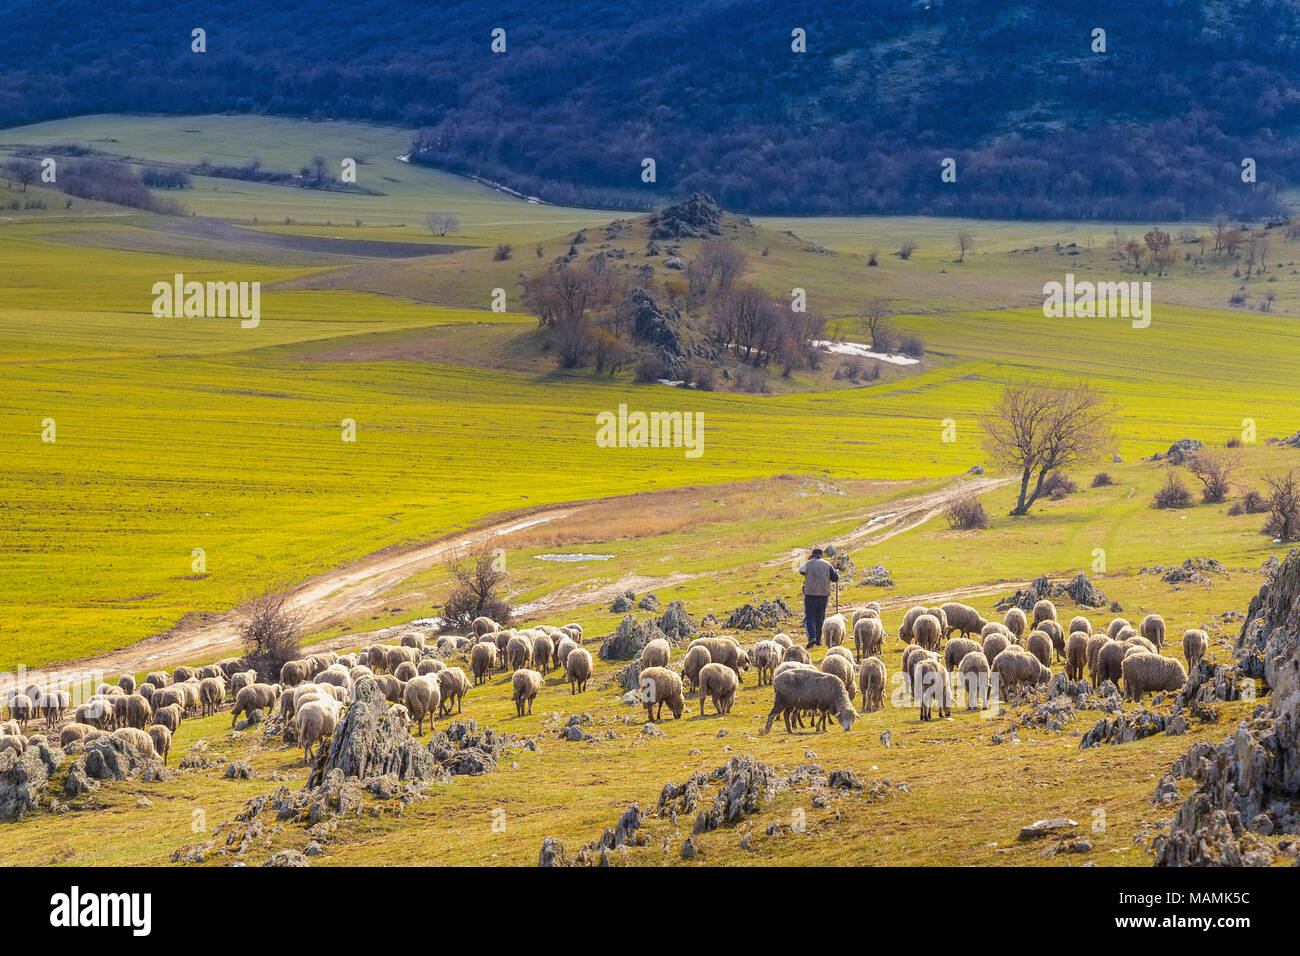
(1284, 507)
(702, 374)
(1058, 485)
(503, 252)
(1102, 480)
(1237, 508)
(1255, 503)
(911, 346)
(1173, 493)
(474, 594)
(651, 367)
(1214, 470)
(1233, 443)
(967, 514)
(270, 632)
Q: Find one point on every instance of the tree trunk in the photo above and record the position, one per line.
(1021, 507)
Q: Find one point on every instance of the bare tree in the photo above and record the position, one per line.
(1284, 507)
(1214, 470)
(271, 631)
(24, 171)
(1039, 428)
(719, 265)
(441, 223)
(877, 313)
(906, 249)
(965, 240)
(567, 302)
(477, 576)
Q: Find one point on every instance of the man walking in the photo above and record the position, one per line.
(818, 575)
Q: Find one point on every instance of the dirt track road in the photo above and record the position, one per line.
(335, 595)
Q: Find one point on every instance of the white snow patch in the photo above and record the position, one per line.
(573, 557)
(863, 351)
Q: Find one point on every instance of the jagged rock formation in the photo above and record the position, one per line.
(698, 217)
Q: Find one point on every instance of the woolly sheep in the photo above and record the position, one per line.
(833, 630)
(1076, 655)
(1014, 622)
(799, 689)
(862, 612)
(159, 678)
(525, 685)
(997, 627)
(1195, 644)
(1138, 641)
(868, 636)
(1044, 610)
(133, 711)
(841, 668)
(53, 703)
(253, 697)
(482, 659)
(871, 680)
(718, 682)
(725, 650)
(974, 673)
(453, 686)
(935, 686)
(1109, 659)
(1151, 672)
(782, 639)
(316, 720)
(405, 672)
(1040, 645)
(661, 686)
(1055, 634)
(562, 650)
(956, 649)
(697, 655)
(1081, 624)
(911, 654)
(767, 655)
(656, 653)
(1152, 628)
(169, 717)
(136, 738)
(212, 691)
(162, 740)
(578, 668)
(146, 690)
(960, 617)
(358, 671)
(543, 649)
(413, 640)
(20, 709)
(421, 697)
(1095, 643)
(927, 632)
(395, 655)
(293, 673)
(797, 654)
(1015, 667)
(792, 665)
(845, 652)
(1115, 626)
(183, 673)
(388, 685)
(127, 683)
(1131, 649)
(190, 688)
(994, 645)
(1126, 634)
(519, 652)
(241, 679)
(482, 625)
(576, 628)
(206, 671)
(905, 629)
(73, 732)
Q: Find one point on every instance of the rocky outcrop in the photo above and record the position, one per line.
(372, 740)
(108, 758)
(677, 624)
(628, 639)
(764, 615)
(23, 777)
(1080, 590)
(698, 217)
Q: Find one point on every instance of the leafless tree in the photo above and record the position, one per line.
(1284, 507)
(1036, 428)
(441, 223)
(877, 313)
(567, 302)
(1214, 470)
(906, 249)
(965, 240)
(477, 577)
(271, 631)
(717, 267)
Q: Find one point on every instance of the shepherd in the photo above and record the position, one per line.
(818, 576)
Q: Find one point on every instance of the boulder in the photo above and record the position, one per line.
(629, 637)
(371, 740)
(698, 217)
(1183, 449)
(677, 624)
(23, 777)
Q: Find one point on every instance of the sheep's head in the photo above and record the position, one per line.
(846, 716)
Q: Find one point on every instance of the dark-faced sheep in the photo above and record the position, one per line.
(656, 653)
(717, 681)
(1014, 621)
(1152, 628)
(578, 668)
(1195, 644)
(956, 649)
(934, 688)
(162, 740)
(973, 672)
(927, 632)
(1040, 645)
(802, 689)
(453, 685)
(421, 697)
(1044, 610)
(482, 659)
(871, 680)
(661, 686)
(1151, 672)
(841, 668)
(1076, 655)
(868, 636)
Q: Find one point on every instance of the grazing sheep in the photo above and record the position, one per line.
(482, 661)
(576, 629)
(133, 711)
(868, 636)
(841, 668)
(95, 713)
(212, 691)
(958, 648)
(73, 732)
(905, 629)
(1095, 644)
(338, 675)
(136, 738)
(388, 685)
(1081, 624)
(1044, 610)
(421, 697)
(661, 686)
(1109, 659)
(783, 639)
(396, 655)
(997, 627)
(206, 671)
(868, 611)
(293, 673)
(1126, 634)
(767, 655)
(146, 690)
(53, 703)
(543, 650)
(254, 697)
(1195, 644)
(911, 655)
(1056, 635)
(169, 717)
(656, 653)
(942, 615)
(697, 655)
(525, 685)
(927, 632)
(1131, 649)
(844, 652)
(483, 625)
(1040, 645)
(1139, 641)
(503, 639)
(519, 652)
(725, 650)
(21, 710)
(241, 679)
(719, 682)
(934, 684)
(183, 673)
(1151, 672)
(162, 740)
(797, 653)
(1076, 655)
(1015, 667)
(833, 630)
(974, 673)
(808, 690)
(405, 672)
(316, 720)
(871, 679)
(413, 640)
(578, 668)
(1152, 628)
(562, 650)
(454, 685)
(1014, 622)
(127, 683)
(792, 665)
(960, 617)
(1115, 626)
(159, 678)
(994, 645)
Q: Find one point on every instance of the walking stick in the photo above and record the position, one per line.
(837, 597)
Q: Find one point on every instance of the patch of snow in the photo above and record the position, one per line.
(863, 351)
(573, 557)
(434, 622)
(672, 383)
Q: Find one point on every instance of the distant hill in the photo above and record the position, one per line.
(1039, 125)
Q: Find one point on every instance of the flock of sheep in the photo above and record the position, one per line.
(987, 656)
